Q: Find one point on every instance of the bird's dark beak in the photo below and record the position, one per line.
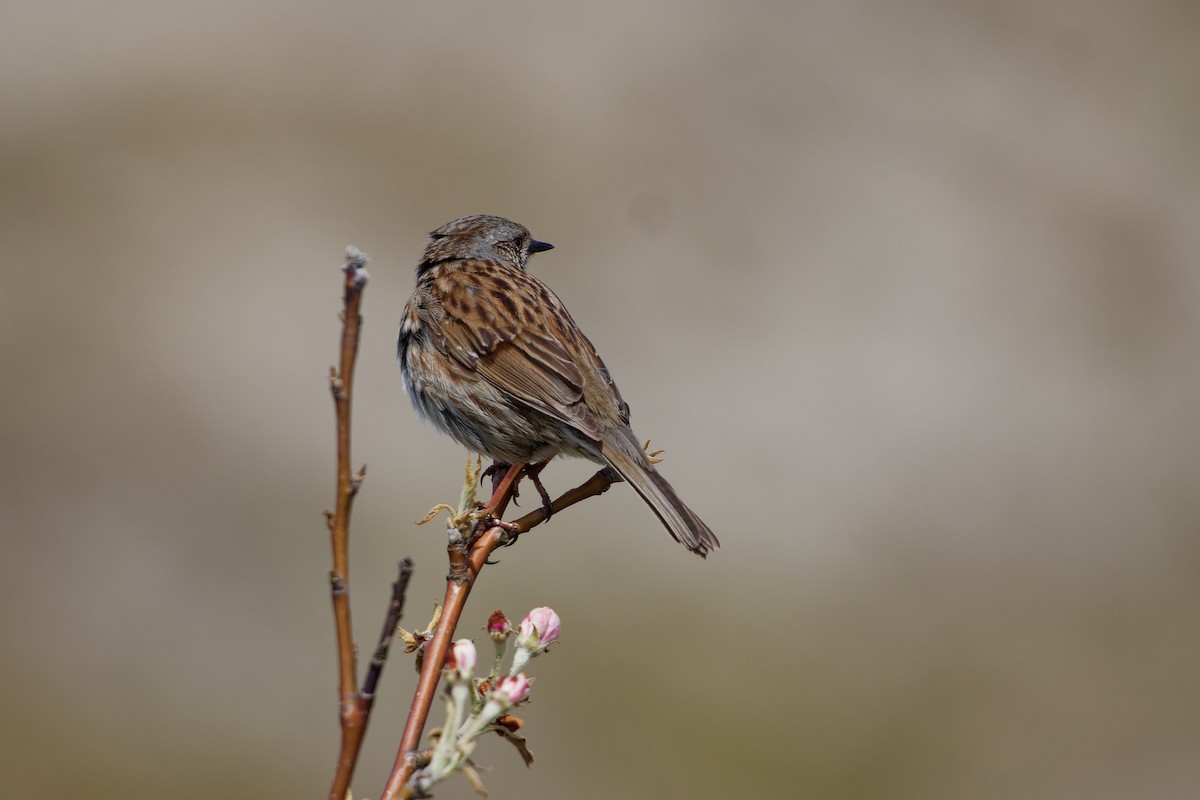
(539, 247)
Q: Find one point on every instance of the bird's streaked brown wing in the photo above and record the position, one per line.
(515, 333)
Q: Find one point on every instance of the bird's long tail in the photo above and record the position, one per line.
(624, 454)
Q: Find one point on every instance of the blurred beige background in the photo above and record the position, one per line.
(908, 290)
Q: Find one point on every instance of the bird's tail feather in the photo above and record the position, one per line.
(627, 458)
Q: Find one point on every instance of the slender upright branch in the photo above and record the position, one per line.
(341, 384)
(354, 705)
(459, 581)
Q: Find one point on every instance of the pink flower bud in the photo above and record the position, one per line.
(461, 658)
(498, 626)
(511, 689)
(539, 628)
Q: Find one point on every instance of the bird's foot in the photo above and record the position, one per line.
(485, 523)
(533, 471)
(496, 472)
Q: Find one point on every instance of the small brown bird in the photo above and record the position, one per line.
(491, 356)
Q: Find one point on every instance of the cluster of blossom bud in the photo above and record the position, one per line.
(474, 704)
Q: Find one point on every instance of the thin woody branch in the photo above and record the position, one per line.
(596, 485)
(351, 714)
(354, 705)
(459, 581)
(357, 712)
(341, 385)
(395, 609)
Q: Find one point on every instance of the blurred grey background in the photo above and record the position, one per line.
(908, 290)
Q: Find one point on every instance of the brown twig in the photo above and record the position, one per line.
(395, 609)
(465, 566)
(596, 485)
(357, 713)
(341, 383)
(354, 706)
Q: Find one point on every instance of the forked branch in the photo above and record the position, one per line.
(354, 704)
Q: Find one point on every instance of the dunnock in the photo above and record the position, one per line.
(491, 356)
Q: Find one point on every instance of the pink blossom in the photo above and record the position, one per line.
(461, 658)
(511, 689)
(498, 626)
(539, 628)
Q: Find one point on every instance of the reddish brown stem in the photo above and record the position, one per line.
(596, 485)
(351, 714)
(465, 567)
(341, 384)
(354, 706)
(459, 581)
